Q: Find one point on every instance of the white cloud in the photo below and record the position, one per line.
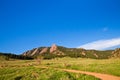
(101, 44)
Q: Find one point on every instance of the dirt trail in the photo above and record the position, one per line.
(97, 75)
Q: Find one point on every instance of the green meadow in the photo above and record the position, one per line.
(106, 66)
(51, 69)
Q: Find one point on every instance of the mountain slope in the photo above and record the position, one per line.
(59, 51)
(116, 53)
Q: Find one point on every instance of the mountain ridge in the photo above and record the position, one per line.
(60, 51)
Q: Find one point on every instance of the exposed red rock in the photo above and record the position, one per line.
(44, 50)
(95, 55)
(34, 51)
(53, 48)
(83, 53)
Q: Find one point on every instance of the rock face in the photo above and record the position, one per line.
(116, 53)
(44, 50)
(37, 51)
(27, 53)
(83, 53)
(53, 48)
(95, 55)
(33, 53)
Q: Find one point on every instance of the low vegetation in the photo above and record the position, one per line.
(31, 70)
(107, 66)
(47, 66)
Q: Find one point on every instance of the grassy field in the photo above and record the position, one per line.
(33, 73)
(31, 70)
(107, 66)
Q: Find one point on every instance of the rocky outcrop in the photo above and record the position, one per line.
(44, 50)
(34, 52)
(53, 48)
(27, 53)
(83, 53)
(37, 51)
(116, 53)
(95, 55)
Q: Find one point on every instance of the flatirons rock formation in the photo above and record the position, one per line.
(116, 53)
(43, 50)
(35, 51)
(59, 51)
(55, 50)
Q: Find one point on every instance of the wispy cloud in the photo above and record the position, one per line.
(102, 44)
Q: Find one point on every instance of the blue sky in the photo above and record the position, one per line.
(25, 24)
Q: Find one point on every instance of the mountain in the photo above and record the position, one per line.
(47, 52)
(116, 53)
(59, 51)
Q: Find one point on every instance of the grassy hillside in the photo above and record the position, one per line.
(95, 54)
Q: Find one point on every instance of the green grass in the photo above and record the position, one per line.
(33, 73)
(30, 70)
(107, 66)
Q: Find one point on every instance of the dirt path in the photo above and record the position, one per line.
(97, 75)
